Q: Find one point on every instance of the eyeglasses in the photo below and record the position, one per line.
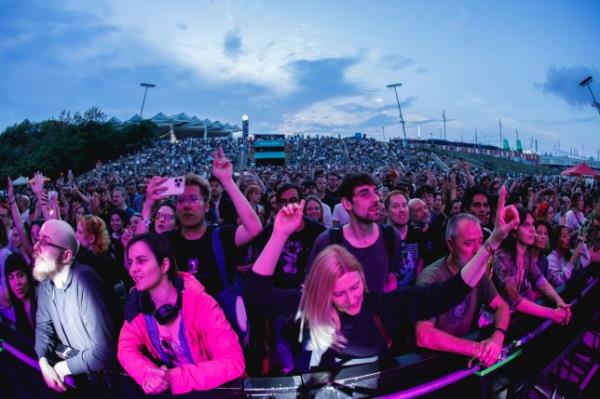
(293, 200)
(164, 216)
(191, 199)
(43, 242)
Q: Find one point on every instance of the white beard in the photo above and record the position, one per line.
(44, 269)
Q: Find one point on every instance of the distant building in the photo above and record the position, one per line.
(184, 126)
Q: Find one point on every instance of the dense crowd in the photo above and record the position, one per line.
(323, 263)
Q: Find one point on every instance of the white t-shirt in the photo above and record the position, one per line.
(340, 215)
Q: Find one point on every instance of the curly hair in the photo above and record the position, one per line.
(94, 226)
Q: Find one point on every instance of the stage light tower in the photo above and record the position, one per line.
(244, 149)
(394, 86)
(586, 83)
(147, 86)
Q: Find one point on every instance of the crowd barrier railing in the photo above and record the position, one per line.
(532, 347)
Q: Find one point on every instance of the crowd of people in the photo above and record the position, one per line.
(353, 252)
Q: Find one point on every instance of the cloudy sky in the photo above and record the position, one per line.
(313, 66)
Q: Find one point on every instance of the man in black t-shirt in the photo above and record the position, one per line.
(291, 266)
(411, 239)
(193, 245)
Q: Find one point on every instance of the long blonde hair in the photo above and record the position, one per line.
(316, 307)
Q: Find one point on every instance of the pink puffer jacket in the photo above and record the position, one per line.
(217, 354)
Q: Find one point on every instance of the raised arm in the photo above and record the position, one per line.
(251, 225)
(17, 222)
(474, 269)
(259, 290)
(154, 192)
(37, 186)
(288, 219)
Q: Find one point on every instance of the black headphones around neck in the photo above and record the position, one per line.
(166, 313)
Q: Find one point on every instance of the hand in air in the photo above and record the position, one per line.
(155, 189)
(289, 219)
(222, 168)
(37, 183)
(507, 219)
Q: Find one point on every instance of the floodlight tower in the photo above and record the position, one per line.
(394, 86)
(444, 119)
(245, 133)
(147, 86)
(586, 83)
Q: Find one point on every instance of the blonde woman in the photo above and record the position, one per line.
(345, 323)
(253, 194)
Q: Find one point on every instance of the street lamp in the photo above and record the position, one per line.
(586, 83)
(147, 86)
(244, 152)
(394, 86)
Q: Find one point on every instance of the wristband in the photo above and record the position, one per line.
(488, 248)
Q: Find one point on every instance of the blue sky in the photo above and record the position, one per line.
(313, 66)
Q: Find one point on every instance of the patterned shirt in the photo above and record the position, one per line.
(515, 284)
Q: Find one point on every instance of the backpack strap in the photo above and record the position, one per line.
(389, 238)
(336, 236)
(217, 248)
(382, 330)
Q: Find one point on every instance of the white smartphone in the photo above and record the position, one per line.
(174, 185)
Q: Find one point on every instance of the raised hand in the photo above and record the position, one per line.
(10, 191)
(289, 219)
(222, 168)
(507, 219)
(37, 183)
(155, 189)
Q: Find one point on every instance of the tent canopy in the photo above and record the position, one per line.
(581, 169)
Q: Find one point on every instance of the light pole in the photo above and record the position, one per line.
(394, 86)
(147, 86)
(586, 83)
(245, 132)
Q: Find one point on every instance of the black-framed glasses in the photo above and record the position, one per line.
(45, 243)
(165, 216)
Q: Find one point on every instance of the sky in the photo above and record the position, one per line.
(314, 67)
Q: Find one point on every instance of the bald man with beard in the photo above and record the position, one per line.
(72, 316)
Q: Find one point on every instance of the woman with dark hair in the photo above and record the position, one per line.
(575, 216)
(545, 212)
(165, 218)
(562, 261)
(518, 278)
(21, 293)
(175, 336)
(116, 221)
(314, 209)
(540, 246)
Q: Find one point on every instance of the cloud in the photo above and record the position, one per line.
(182, 26)
(322, 78)
(396, 62)
(564, 83)
(232, 47)
(346, 114)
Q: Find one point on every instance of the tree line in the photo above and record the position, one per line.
(71, 141)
